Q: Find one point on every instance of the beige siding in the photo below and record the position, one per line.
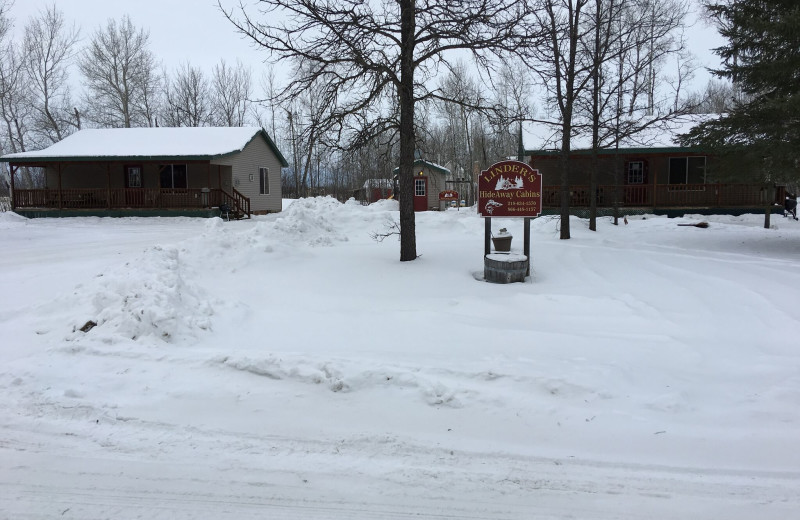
(435, 185)
(246, 164)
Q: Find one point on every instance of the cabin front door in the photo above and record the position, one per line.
(134, 192)
(420, 194)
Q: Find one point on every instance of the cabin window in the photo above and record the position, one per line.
(419, 187)
(173, 176)
(263, 181)
(133, 177)
(687, 170)
(636, 172)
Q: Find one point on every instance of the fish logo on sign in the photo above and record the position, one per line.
(490, 205)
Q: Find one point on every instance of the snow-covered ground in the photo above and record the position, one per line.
(291, 367)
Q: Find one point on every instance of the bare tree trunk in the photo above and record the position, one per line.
(408, 239)
(770, 201)
(296, 166)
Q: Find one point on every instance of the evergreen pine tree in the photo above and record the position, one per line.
(762, 58)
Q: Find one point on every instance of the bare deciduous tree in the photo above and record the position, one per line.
(120, 73)
(603, 70)
(231, 90)
(187, 98)
(461, 96)
(565, 71)
(48, 49)
(15, 99)
(370, 53)
(719, 97)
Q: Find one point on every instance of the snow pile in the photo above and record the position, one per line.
(148, 296)
(10, 219)
(324, 221)
(311, 222)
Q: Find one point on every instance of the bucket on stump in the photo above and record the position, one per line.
(502, 242)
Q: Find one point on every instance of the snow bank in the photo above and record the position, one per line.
(146, 298)
(9, 219)
(646, 370)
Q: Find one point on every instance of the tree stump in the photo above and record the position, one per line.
(510, 268)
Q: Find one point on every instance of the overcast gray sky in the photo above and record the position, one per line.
(180, 30)
(195, 31)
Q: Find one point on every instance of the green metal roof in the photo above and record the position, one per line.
(625, 151)
(429, 165)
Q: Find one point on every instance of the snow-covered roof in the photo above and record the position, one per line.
(148, 143)
(433, 166)
(546, 137)
(378, 183)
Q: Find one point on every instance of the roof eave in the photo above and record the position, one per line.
(108, 158)
(270, 143)
(34, 161)
(430, 165)
(627, 151)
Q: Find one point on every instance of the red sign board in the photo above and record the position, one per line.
(448, 195)
(510, 189)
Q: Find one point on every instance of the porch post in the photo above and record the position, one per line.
(60, 195)
(108, 185)
(487, 234)
(526, 245)
(12, 170)
(655, 188)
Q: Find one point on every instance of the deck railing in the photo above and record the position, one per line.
(129, 198)
(659, 196)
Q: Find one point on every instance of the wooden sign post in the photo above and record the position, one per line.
(509, 189)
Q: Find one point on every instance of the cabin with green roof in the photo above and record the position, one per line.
(429, 180)
(153, 171)
(646, 172)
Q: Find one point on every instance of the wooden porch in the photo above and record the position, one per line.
(663, 196)
(130, 198)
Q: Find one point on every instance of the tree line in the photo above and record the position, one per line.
(121, 83)
(372, 84)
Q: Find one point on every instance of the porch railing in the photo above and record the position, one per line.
(669, 195)
(129, 198)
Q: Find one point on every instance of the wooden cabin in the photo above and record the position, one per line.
(429, 180)
(648, 172)
(153, 171)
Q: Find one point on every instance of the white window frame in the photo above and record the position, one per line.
(417, 183)
(639, 176)
(263, 180)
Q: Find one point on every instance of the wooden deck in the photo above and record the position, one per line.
(662, 196)
(130, 198)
